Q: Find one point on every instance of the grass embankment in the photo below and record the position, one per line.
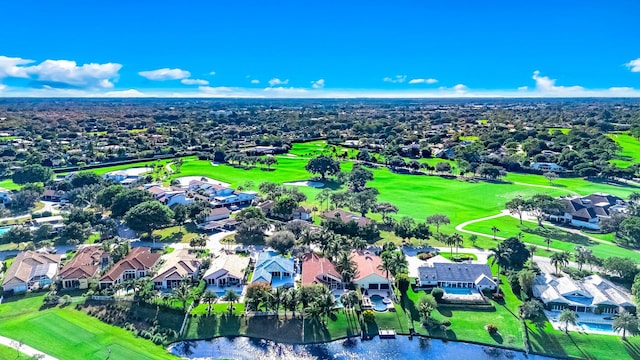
(630, 152)
(561, 240)
(70, 334)
(9, 353)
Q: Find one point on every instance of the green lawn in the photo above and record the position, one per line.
(9, 184)
(469, 138)
(8, 353)
(630, 152)
(579, 185)
(70, 334)
(559, 129)
(561, 240)
(548, 341)
(177, 233)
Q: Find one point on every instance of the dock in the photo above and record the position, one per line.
(387, 334)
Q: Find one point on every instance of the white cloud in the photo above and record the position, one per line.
(2, 87)
(276, 81)
(67, 72)
(194, 82)
(423, 81)
(165, 74)
(9, 67)
(634, 65)
(548, 86)
(125, 93)
(318, 84)
(284, 91)
(396, 79)
(212, 73)
(255, 81)
(460, 88)
(523, 88)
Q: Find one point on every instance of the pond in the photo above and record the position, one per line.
(243, 348)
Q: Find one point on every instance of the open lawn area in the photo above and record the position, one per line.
(9, 184)
(578, 185)
(177, 233)
(561, 240)
(546, 340)
(468, 322)
(8, 353)
(70, 334)
(630, 152)
(559, 129)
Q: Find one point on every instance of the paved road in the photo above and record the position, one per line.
(25, 349)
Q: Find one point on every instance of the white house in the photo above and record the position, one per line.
(456, 275)
(593, 294)
(588, 211)
(227, 270)
(544, 166)
(368, 275)
(31, 270)
(178, 266)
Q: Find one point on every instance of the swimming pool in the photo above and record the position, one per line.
(378, 303)
(222, 293)
(596, 327)
(458, 291)
(4, 230)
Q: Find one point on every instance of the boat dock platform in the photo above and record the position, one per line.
(387, 334)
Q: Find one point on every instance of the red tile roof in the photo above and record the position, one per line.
(140, 258)
(314, 266)
(84, 265)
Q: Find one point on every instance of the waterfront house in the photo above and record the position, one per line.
(456, 275)
(274, 269)
(368, 275)
(317, 269)
(227, 270)
(178, 266)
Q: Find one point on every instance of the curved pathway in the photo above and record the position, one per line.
(25, 349)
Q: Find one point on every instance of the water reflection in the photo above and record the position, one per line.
(242, 348)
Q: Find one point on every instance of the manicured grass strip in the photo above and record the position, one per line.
(561, 240)
(70, 334)
(630, 152)
(579, 185)
(9, 353)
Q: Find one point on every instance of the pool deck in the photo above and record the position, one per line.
(474, 296)
(582, 317)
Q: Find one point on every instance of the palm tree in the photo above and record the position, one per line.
(500, 257)
(387, 263)
(398, 263)
(548, 241)
(560, 259)
(323, 196)
(231, 297)
(449, 241)
(209, 297)
(457, 241)
(278, 297)
(532, 250)
(291, 301)
(182, 293)
(567, 317)
(327, 303)
(314, 311)
(346, 267)
(627, 322)
(495, 230)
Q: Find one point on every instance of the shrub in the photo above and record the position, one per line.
(437, 293)
(492, 329)
(368, 316)
(425, 256)
(446, 323)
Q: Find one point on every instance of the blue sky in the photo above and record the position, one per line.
(320, 49)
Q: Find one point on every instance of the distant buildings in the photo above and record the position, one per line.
(587, 211)
(544, 166)
(5, 197)
(345, 217)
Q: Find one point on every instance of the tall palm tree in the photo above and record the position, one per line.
(346, 267)
(278, 297)
(532, 250)
(500, 257)
(327, 303)
(291, 301)
(547, 240)
(627, 322)
(398, 263)
(567, 317)
(449, 241)
(182, 293)
(559, 259)
(314, 312)
(231, 297)
(387, 263)
(457, 241)
(495, 230)
(209, 297)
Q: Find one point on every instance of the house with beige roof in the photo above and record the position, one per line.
(84, 266)
(31, 270)
(227, 270)
(137, 264)
(180, 265)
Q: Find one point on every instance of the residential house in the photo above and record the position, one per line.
(368, 274)
(56, 221)
(588, 211)
(85, 265)
(317, 269)
(5, 197)
(456, 275)
(168, 196)
(31, 270)
(217, 219)
(227, 270)
(123, 177)
(274, 269)
(178, 266)
(220, 194)
(137, 264)
(345, 217)
(52, 195)
(300, 213)
(592, 294)
(544, 166)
